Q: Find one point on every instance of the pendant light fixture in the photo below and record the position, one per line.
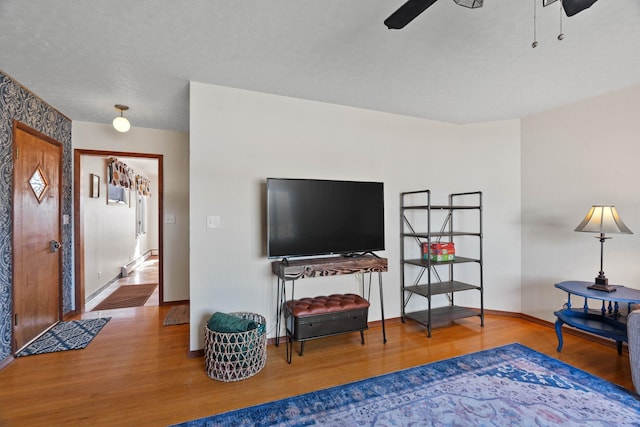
(120, 123)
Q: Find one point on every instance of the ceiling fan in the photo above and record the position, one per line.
(412, 8)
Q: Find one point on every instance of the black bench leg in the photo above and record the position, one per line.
(301, 347)
(289, 348)
(362, 337)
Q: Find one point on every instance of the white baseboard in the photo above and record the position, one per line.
(133, 264)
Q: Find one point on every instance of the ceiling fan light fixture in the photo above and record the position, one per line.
(471, 4)
(121, 123)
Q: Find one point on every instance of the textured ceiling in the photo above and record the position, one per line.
(452, 63)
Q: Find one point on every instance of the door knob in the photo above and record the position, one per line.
(54, 245)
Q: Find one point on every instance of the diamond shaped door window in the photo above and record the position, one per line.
(39, 184)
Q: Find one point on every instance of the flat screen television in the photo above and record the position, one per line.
(308, 217)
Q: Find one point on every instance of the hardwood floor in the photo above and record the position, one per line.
(136, 371)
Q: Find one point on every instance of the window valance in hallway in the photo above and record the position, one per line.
(121, 175)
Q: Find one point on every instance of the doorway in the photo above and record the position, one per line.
(37, 262)
(83, 217)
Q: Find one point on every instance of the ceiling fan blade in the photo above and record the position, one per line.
(407, 13)
(571, 7)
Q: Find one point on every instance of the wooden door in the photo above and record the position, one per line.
(36, 234)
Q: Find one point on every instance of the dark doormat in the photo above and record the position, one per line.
(127, 296)
(72, 335)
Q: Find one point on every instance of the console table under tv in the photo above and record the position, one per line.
(292, 270)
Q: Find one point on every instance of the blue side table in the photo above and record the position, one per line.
(605, 322)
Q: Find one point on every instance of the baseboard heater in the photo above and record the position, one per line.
(133, 264)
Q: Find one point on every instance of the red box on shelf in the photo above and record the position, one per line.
(444, 251)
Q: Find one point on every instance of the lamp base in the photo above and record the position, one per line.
(602, 284)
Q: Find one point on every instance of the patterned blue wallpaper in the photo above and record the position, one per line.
(18, 103)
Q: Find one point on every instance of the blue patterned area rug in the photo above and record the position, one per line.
(72, 335)
(507, 386)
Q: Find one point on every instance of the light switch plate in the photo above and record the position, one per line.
(169, 219)
(213, 222)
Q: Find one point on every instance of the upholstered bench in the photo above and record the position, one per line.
(322, 316)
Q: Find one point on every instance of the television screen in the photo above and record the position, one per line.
(320, 217)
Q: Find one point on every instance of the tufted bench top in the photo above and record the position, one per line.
(321, 304)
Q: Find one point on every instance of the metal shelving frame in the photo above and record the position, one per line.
(432, 317)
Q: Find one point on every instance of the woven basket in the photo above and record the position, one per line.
(235, 356)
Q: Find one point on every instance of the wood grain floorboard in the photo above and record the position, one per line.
(137, 372)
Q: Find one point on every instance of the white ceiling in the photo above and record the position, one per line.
(451, 63)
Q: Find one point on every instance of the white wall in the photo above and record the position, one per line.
(239, 138)
(174, 146)
(574, 157)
